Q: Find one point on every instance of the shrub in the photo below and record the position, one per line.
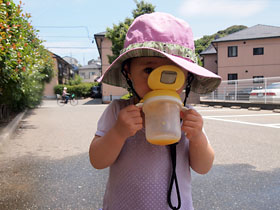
(25, 65)
(81, 90)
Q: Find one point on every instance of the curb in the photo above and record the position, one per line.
(7, 132)
(254, 108)
(218, 107)
(235, 107)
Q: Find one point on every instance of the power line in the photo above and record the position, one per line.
(93, 48)
(66, 36)
(84, 27)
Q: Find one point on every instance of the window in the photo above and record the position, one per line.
(232, 77)
(232, 51)
(258, 51)
(258, 79)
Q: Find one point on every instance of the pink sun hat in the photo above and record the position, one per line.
(162, 35)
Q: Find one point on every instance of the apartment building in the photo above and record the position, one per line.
(252, 53)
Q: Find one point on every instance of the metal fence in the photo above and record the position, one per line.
(257, 90)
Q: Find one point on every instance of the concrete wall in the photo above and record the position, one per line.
(49, 91)
(108, 91)
(210, 62)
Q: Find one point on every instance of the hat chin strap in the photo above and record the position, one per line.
(129, 82)
(190, 78)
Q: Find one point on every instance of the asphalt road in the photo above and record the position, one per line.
(45, 165)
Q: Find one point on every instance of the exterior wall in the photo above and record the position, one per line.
(49, 91)
(247, 65)
(108, 91)
(62, 74)
(210, 62)
(89, 75)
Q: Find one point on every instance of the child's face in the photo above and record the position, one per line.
(141, 67)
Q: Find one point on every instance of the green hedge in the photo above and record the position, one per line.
(81, 90)
(25, 64)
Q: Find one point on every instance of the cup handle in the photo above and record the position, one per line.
(140, 105)
(184, 108)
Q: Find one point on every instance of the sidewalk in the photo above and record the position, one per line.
(7, 131)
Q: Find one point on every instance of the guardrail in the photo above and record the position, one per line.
(257, 90)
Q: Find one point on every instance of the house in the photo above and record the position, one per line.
(104, 45)
(74, 62)
(63, 72)
(90, 72)
(252, 53)
(71, 60)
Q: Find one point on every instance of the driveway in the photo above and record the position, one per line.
(45, 165)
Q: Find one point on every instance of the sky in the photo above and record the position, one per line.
(68, 26)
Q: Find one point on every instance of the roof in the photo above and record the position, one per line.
(61, 59)
(255, 32)
(100, 34)
(209, 50)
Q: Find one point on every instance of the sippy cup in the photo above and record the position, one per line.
(162, 105)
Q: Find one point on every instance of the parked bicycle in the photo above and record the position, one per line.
(61, 101)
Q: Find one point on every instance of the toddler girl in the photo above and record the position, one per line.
(140, 173)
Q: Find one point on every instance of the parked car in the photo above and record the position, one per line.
(242, 94)
(96, 92)
(269, 95)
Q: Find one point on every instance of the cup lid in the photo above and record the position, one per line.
(167, 95)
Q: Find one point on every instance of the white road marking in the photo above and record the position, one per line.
(214, 110)
(241, 122)
(246, 115)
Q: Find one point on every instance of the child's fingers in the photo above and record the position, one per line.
(189, 132)
(132, 108)
(188, 113)
(138, 120)
(189, 124)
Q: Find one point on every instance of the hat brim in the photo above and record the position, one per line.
(204, 81)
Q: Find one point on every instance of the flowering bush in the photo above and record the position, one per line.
(25, 65)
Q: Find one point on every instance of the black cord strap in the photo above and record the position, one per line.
(173, 179)
(173, 155)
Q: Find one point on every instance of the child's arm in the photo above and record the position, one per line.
(104, 150)
(200, 151)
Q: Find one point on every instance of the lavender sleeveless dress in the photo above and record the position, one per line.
(139, 178)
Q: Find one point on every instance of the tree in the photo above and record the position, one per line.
(118, 32)
(202, 43)
(25, 65)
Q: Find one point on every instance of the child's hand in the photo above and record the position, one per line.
(192, 124)
(129, 121)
